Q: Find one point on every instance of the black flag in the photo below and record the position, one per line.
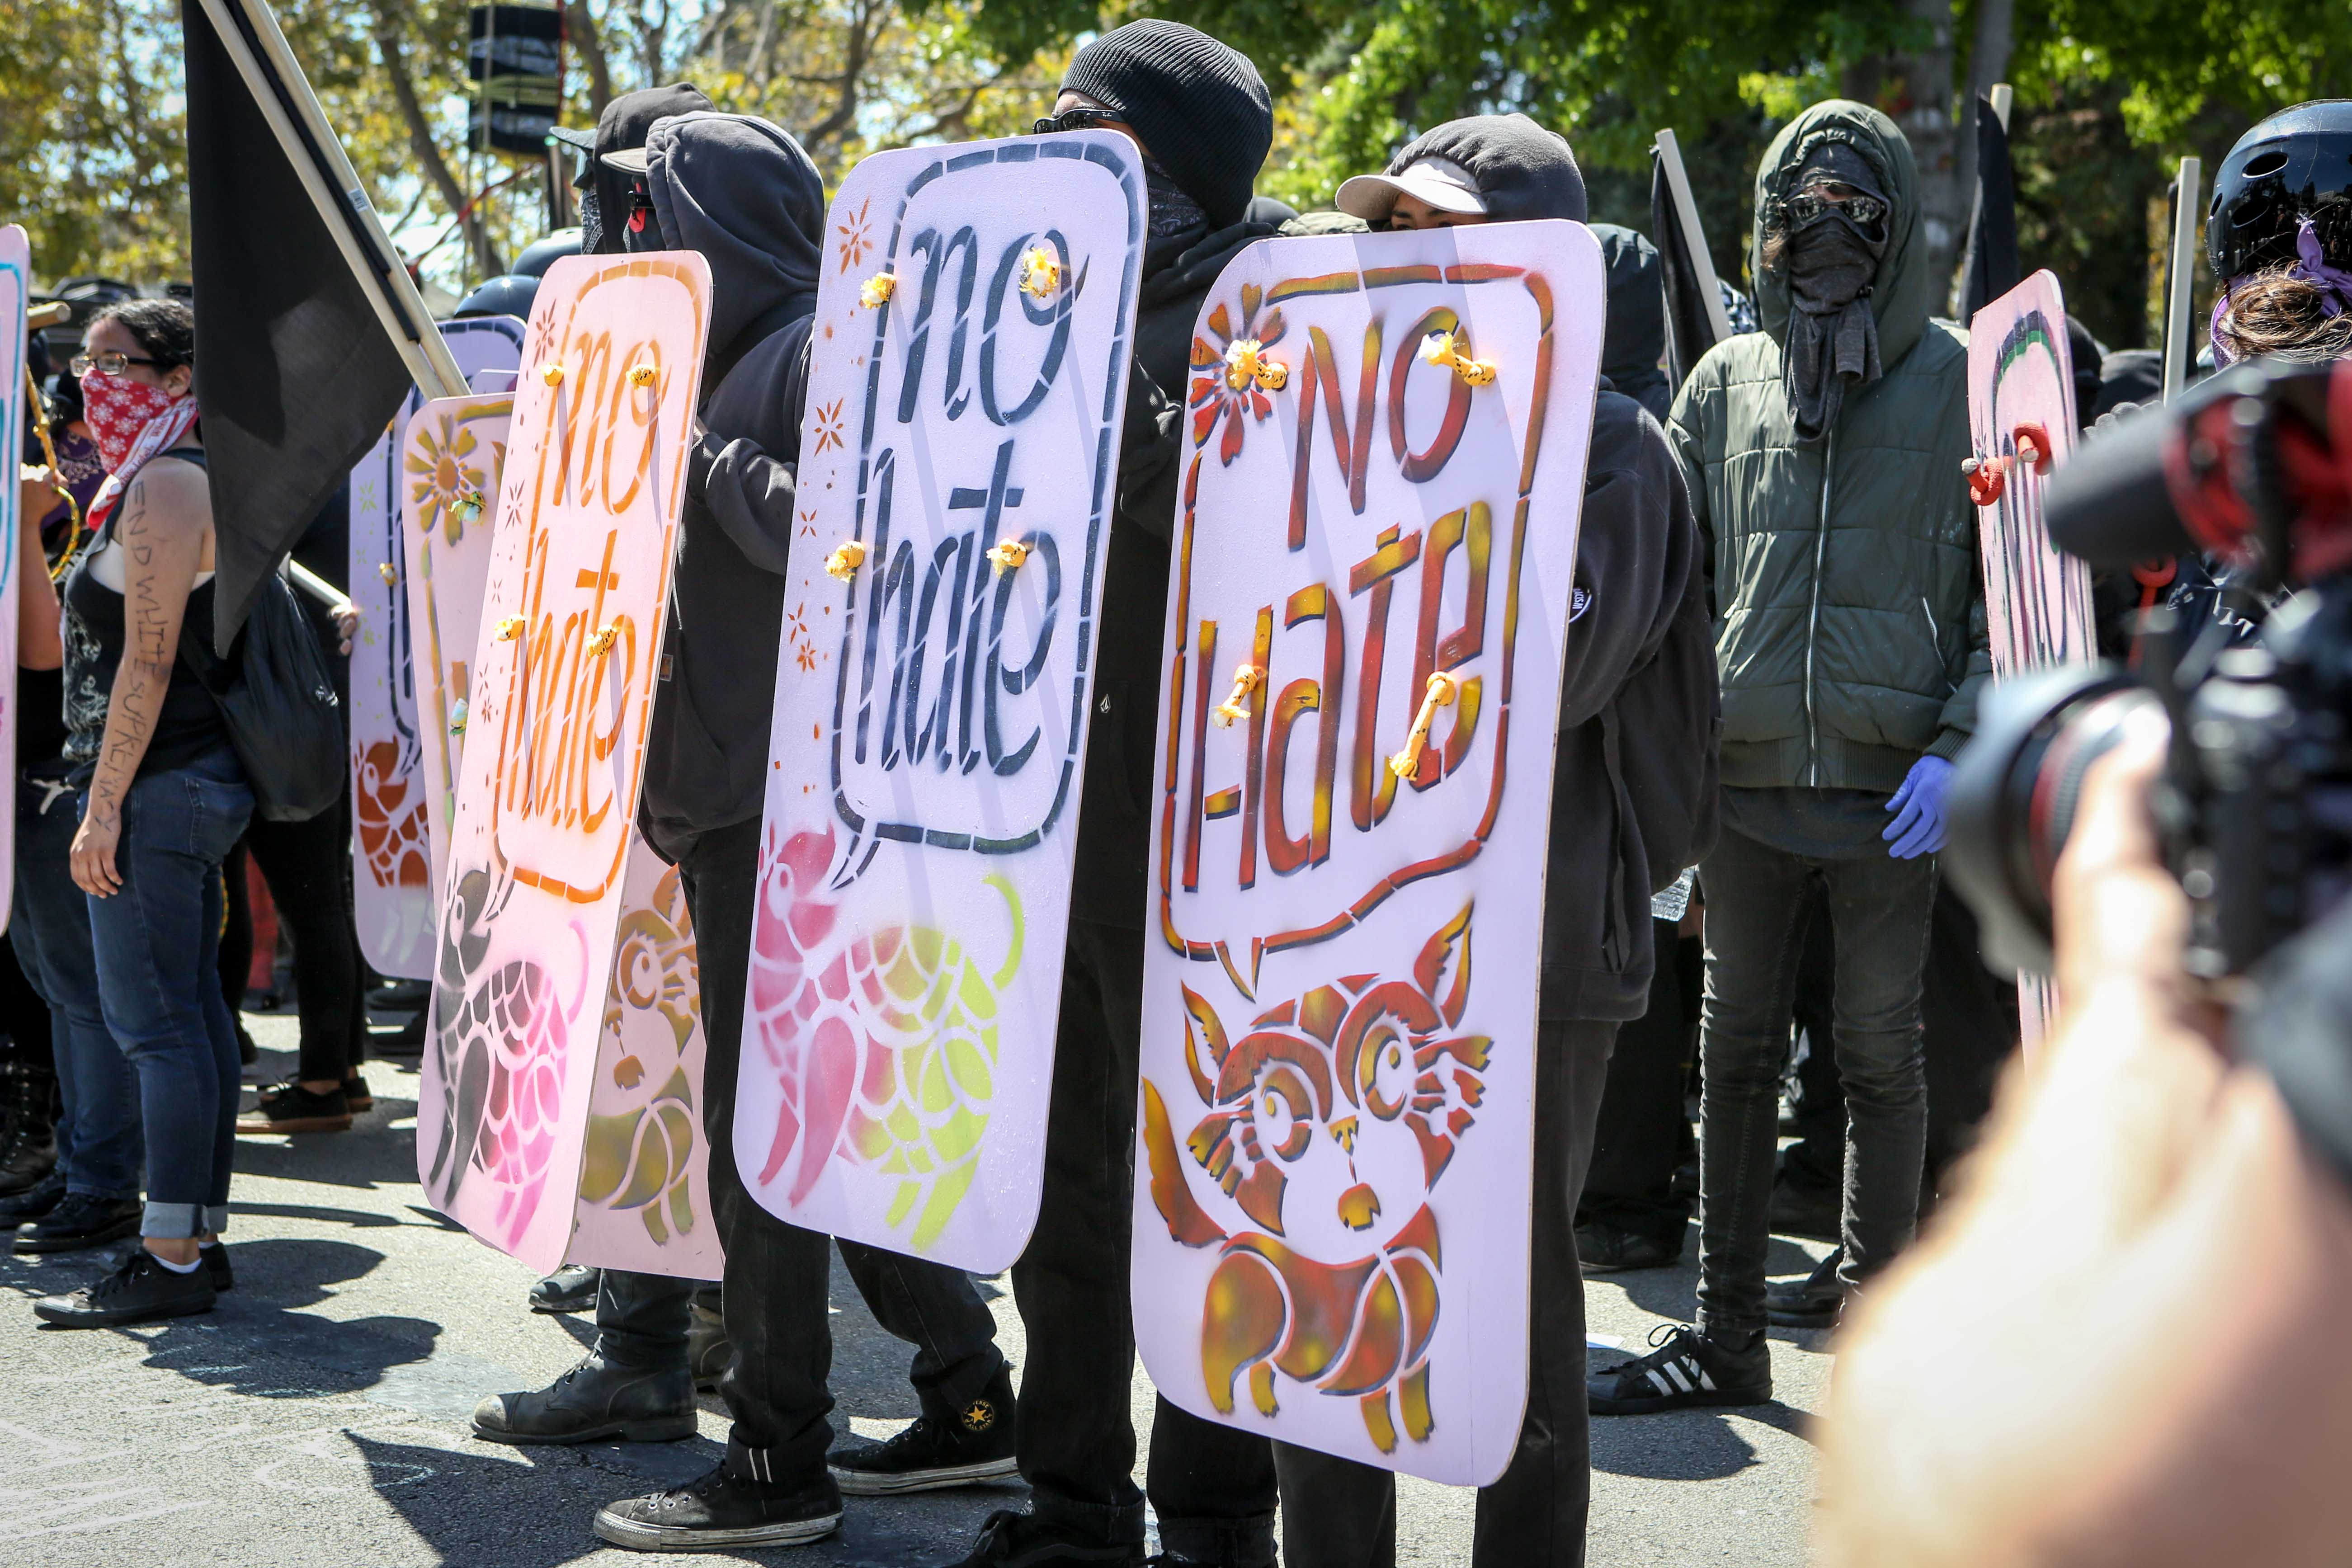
(295, 371)
(1993, 268)
(1690, 315)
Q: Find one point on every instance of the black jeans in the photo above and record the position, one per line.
(1213, 1487)
(776, 1294)
(1642, 1135)
(1338, 1513)
(308, 866)
(1879, 908)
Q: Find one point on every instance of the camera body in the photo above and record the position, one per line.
(2254, 468)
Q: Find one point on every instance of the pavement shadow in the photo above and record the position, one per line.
(1688, 1446)
(518, 1508)
(370, 1155)
(1672, 1293)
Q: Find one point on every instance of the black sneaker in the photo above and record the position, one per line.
(82, 1220)
(1011, 1540)
(1814, 1303)
(1811, 1212)
(974, 1445)
(1604, 1248)
(215, 1260)
(291, 1108)
(1686, 1371)
(34, 1202)
(140, 1292)
(594, 1403)
(571, 1289)
(358, 1096)
(736, 1504)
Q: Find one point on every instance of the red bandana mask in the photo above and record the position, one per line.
(131, 422)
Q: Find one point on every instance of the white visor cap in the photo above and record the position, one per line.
(1441, 182)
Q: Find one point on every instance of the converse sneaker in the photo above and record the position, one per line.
(291, 1108)
(1686, 1371)
(974, 1445)
(738, 1504)
(140, 1292)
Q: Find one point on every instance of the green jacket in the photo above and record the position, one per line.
(1849, 609)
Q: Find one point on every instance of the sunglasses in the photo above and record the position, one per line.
(1814, 203)
(109, 363)
(1073, 119)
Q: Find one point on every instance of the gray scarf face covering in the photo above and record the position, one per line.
(1833, 334)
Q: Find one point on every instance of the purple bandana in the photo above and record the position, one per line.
(2311, 265)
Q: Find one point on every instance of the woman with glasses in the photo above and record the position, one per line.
(161, 801)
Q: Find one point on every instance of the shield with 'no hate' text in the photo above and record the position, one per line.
(2020, 425)
(1375, 544)
(958, 469)
(560, 693)
(644, 1194)
(392, 896)
(15, 282)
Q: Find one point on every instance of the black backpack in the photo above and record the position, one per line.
(276, 697)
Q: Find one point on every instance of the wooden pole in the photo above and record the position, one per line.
(1670, 157)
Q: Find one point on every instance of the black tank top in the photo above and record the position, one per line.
(188, 728)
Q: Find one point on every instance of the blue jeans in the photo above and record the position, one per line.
(98, 1136)
(158, 946)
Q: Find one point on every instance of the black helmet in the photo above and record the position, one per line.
(542, 254)
(2294, 165)
(509, 294)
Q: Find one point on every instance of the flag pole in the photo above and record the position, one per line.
(249, 33)
(1670, 158)
(2178, 276)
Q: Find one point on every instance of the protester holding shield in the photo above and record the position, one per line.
(1633, 802)
(742, 193)
(1851, 638)
(164, 800)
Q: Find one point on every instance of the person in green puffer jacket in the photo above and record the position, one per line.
(1823, 456)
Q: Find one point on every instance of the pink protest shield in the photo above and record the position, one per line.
(391, 900)
(560, 693)
(958, 467)
(1375, 542)
(2022, 425)
(15, 283)
(644, 1197)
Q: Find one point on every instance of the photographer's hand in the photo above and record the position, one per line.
(2124, 1343)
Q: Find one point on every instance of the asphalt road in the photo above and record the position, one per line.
(320, 1416)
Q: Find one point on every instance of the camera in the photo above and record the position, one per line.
(2253, 468)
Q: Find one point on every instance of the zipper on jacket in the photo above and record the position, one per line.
(1813, 618)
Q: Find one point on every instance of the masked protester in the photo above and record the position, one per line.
(742, 193)
(1633, 800)
(1849, 633)
(162, 800)
(1203, 119)
(605, 209)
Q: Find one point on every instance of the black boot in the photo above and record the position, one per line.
(594, 1403)
(29, 1151)
(975, 1444)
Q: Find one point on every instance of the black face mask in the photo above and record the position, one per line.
(1834, 251)
(591, 224)
(1172, 211)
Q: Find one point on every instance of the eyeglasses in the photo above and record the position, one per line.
(109, 362)
(1073, 120)
(1814, 203)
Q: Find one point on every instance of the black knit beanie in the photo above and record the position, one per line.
(1521, 170)
(1198, 105)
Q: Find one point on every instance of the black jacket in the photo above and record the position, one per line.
(743, 193)
(1634, 783)
(1115, 810)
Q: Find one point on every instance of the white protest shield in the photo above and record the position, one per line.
(561, 685)
(2022, 425)
(644, 1194)
(391, 900)
(16, 285)
(958, 470)
(1374, 544)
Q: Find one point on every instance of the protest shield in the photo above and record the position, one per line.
(392, 897)
(1383, 466)
(2022, 425)
(543, 851)
(958, 471)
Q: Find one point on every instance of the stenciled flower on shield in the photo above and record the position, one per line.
(1232, 376)
(447, 473)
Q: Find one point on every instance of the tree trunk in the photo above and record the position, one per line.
(428, 153)
(580, 31)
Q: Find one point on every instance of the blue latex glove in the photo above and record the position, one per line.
(1919, 806)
